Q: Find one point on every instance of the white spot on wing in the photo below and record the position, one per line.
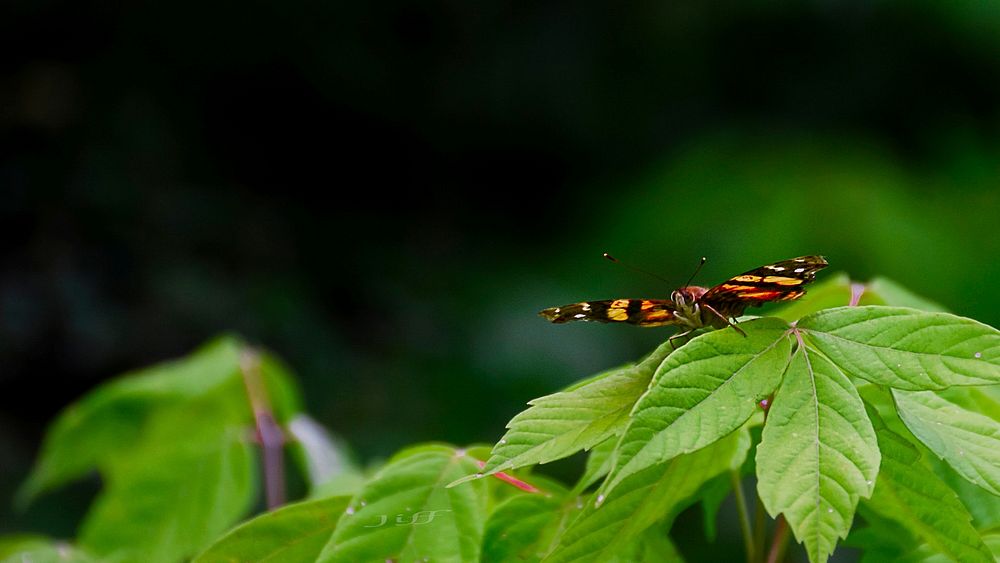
(799, 270)
(579, 316)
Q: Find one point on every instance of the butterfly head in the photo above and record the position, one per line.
(687, 296)
(685, 300)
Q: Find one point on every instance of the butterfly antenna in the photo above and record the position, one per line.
(635, 269)
(696, 270)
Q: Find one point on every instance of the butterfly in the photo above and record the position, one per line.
(693, 307)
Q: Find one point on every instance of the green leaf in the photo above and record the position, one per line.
(191, 477)
(41, 550)
(911, 494)
(712, 495)
(406, 513)
(598, 464)
(714, 492)
(906, 348)
(15, 543)
(880, 538)
(984, 400)
(282, 388)
(653, 546)
(705, 390)
(524, 527)
(293, 533)
(982, 505)
(880, 399)
(883, 291)
(643, 498)
(992, 541)
(111, 417)
(561, 424)
(345, 484)
(818, 453)
(968, 441)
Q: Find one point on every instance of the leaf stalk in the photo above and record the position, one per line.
(744, 517)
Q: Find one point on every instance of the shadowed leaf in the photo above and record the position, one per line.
(910, 494)
(406, 513)
(292, 534)
(968, 441)
(644, 497)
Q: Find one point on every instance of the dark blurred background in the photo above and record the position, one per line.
(385, 193)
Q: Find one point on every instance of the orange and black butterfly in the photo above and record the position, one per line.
(694, 307)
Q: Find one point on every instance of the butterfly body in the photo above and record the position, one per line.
(694, 307)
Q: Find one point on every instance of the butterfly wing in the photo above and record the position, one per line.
(641, 312)
(781, 281)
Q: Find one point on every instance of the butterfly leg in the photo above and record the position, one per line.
(724, 319)
(676, 336)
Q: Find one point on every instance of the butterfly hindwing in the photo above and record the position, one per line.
(642, 312)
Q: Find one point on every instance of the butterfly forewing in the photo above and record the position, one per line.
(641, 312)
(781, 281)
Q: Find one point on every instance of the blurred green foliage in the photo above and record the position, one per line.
(178, 446)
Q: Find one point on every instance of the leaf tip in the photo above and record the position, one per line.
(465, 479)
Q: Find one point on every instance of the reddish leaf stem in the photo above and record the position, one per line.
(269, 434)
(527, 487)
(779, 541)
(857, 289)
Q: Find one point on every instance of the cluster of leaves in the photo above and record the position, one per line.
(855, 410)
(888, 410)
(175, 448)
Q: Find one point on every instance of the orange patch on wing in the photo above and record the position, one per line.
(619, 303)
(733, 287)
(764, 295)
(746, 278)
(660, 315)
(782, 280)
